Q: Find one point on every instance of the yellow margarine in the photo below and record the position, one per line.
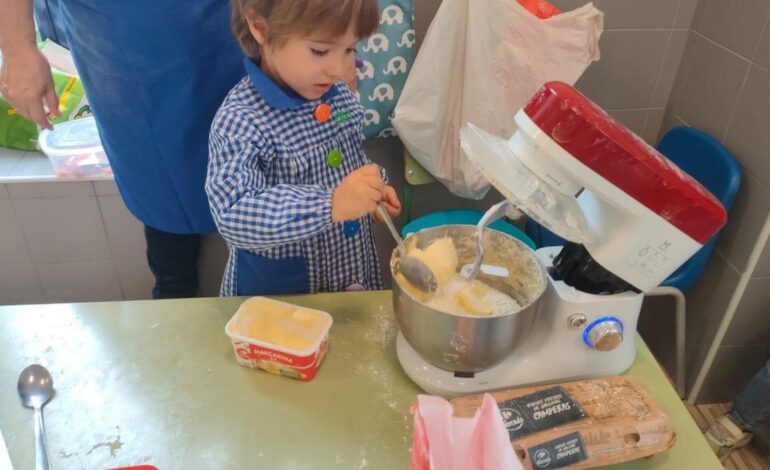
(474, 298)
(455, 294)
(440, 256)
(281, 324)
(463, 297)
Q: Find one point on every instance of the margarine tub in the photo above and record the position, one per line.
(279, 337)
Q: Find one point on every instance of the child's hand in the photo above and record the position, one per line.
(390, 202)
(358, 194)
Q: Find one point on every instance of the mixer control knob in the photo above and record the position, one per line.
(604, 334)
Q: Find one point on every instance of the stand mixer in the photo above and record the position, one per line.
(631, 218)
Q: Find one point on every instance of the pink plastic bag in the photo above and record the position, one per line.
(443, 442)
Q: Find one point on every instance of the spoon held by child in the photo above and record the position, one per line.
(414, 270)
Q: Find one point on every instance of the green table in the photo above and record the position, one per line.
(156, 382)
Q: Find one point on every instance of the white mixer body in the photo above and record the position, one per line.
(628, 239)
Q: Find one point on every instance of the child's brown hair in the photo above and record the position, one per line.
(304, 17)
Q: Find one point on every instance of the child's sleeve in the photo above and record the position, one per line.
(248, 213)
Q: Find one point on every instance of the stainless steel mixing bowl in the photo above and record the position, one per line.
(465, 343)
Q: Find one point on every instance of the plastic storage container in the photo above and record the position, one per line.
(263, 317)
(75, 150)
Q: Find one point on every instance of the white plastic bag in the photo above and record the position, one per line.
(443, 442)
(480, 62)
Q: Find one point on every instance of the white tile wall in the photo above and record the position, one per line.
(13, 249)
(82, 281)
(68, 244)
(135, 278)
(713, 82)
(63, 229)
(51, 189)
(626, 74)
(106, 188)
(124, 232)
(633, 14)
(677, 43)
(19, 284)
(632, 118)
(684, 16)
(653, 125)
(60, 242)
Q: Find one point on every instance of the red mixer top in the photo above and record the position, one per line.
(591, 136)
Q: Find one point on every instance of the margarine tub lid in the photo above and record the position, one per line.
(280, 325)
(71, 138)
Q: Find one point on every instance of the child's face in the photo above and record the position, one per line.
(311, 65)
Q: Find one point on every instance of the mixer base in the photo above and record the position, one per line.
(506, 375)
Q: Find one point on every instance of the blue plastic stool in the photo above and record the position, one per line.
(464, 217)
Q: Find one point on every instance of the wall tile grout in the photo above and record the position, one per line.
(759, 42)
(646, 108)
(644, 29)
(703, 16)
(680, 118)
(723, 47)
(764, 69)
(734, 111)
(644, 124)
(5, 265)
(759, 181)
(26, 246)
(666, 51)
(745, 79)
(109, 246)
(676, 13)
(728, 262)
(685, 77)
(743, 85)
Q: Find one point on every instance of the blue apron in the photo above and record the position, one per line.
(155, 73)
(258, 275)
(49, 21)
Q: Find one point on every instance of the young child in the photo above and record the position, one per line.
(289, 186)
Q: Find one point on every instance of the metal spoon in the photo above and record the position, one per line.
(35, 389)
(414, 270)
(494, 213)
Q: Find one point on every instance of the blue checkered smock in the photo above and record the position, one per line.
(270, 184)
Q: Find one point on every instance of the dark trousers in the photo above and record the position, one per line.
(751, 407)
(173, 260)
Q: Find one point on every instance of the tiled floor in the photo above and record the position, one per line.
(753, 457)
